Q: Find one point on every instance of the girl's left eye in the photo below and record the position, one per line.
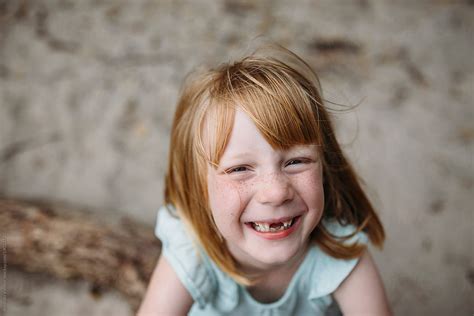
(294, 162)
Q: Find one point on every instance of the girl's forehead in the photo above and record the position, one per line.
(235, 132)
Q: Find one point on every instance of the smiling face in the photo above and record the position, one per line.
(265, 202)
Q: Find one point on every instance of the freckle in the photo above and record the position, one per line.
(244, 189)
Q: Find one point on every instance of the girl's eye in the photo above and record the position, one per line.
(237, 169)
(294, 162)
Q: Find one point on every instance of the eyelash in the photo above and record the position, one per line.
(236, 169)
(293, 160)
(232, 170)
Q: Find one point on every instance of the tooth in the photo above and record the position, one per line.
(262, 227)
(266, 227)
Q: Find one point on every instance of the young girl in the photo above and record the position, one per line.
(264, 215)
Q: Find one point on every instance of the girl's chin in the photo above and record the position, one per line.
(258, 258)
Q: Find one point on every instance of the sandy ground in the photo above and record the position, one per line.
(88, 89)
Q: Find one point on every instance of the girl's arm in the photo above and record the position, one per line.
(165, 295)
(362, 292)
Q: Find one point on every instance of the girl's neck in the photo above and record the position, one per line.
(271, 283)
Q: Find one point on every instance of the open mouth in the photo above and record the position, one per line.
(265, 227)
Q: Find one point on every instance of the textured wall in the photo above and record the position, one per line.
(88, 89)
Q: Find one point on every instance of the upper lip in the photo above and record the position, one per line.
(273, 220)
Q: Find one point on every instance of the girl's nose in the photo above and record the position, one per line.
(275, 189)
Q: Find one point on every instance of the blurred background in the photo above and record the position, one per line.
(88, 91)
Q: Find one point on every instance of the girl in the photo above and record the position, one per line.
(264, 215)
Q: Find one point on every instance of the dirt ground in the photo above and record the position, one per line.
(88, 90)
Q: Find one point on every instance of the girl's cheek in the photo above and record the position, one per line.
(312, 179)
(310, 185)
(245, 189)
(224, 195)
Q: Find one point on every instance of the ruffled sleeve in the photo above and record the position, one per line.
(328, 272)
(183, 256)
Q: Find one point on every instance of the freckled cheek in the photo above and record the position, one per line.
(245, 189)
(224, 200)
(310, 187)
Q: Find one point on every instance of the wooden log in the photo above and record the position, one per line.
(77, 244)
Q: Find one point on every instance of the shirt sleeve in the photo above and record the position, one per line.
(328, 272)
(183, 256)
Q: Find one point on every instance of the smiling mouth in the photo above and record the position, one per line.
(265, 227)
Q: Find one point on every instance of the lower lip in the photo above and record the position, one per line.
(280, 234)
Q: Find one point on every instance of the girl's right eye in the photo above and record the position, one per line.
(237, 169)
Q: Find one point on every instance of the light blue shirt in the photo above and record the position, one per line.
(215, 293)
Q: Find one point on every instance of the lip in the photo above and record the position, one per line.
(280, 234)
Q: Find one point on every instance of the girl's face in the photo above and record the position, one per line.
(265, 202)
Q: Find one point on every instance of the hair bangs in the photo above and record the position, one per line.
(279, 105)
(216, 127)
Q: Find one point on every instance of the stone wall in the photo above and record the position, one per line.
(88, 90)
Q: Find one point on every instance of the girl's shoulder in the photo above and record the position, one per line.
(184, 255)
(205, 282)
(327, 272)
